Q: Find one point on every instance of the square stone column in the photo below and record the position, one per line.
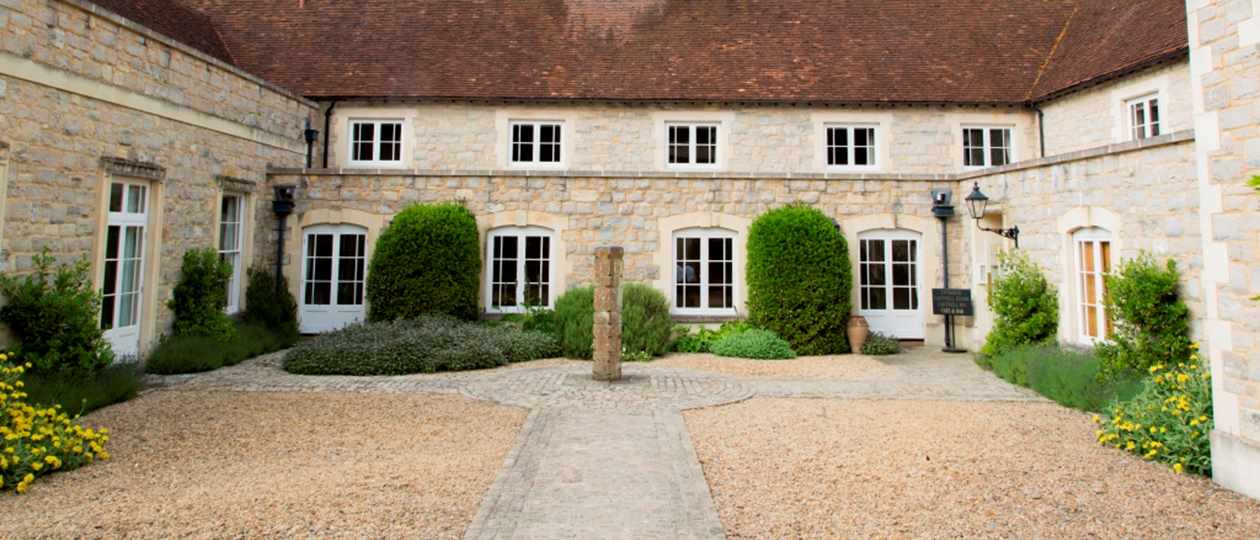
(607, 331)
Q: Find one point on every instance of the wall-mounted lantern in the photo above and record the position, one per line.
(310, 135)
(977, 203)
(282, 205)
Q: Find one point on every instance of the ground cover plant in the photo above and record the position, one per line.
(799, 279)
(1069, 376)
(428, 260)
(39, 440)
(701, 341)
(1169, 421)
(878, 344)
(54, 312)
(755, 343)
(646, 326)
(426, 344)
(1025, 306)
(194, 354)
(1152, 323)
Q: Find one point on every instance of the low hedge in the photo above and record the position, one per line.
(755, 343)
(427, 344)
(195, 354)
(79, 393)
(1065, 375)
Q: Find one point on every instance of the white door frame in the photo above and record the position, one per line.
(125, 341)
(1095, 236)
(899, 323)
(316, 318)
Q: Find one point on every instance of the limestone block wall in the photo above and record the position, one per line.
(1225, 61)
(638, 213)
(1098, 116)
(87, 98)
(631, 138)
(1143, 194)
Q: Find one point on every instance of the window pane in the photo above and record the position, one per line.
(509, 247)
(861, 137)
(135, 199)
(679, 134)
(878, 298)
(876, 276)
(323, 269)
(704, 154)
(693, 249)
(875, 250)
(901, 298)
(132, 237)
(550, 133)
(323, 245)
(706, 135)
(107, 313)
(861, 156)
(533, 247)
(116, 197)
(110, 281)
(691, 272)
(692, 297)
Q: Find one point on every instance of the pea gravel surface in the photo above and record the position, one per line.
(802, 468)
(250, 464)
(846, 367)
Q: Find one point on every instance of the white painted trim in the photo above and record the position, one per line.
(340, 139)
(661, 120)
(664, 255)
(487, 272)
(503, 119)
(884, 138)
(376, 163)
(704, 233)
(35, 72)
(537, 124)
(929, 257)
(1121, 94)
(988, 145)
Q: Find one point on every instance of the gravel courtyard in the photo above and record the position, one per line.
(815, 468)
(247, 464)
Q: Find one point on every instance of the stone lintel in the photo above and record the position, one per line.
(239, 185)
(134, 169)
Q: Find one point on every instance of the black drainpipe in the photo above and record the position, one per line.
(282, 206)
(1041, 128)
(327, 121)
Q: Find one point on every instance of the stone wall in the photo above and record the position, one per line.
(1097, 116)
(77, 87)
(1225, 61)
(628, 137)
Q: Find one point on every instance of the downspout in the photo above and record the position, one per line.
(1041, 128)
(327, 122)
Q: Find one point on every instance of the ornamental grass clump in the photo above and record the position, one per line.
(1169, 421)
(39, 441)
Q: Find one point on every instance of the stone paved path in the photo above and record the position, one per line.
(614, 460)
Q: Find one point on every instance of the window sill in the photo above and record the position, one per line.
(376, 165)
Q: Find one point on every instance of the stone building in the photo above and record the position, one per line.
(1100, 129)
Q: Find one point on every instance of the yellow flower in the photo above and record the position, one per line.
(1097, 419)
(1129, 446)
(1178, 468)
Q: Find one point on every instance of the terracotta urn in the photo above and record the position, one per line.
(858, 330)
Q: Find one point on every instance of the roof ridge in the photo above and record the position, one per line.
(1076, 8)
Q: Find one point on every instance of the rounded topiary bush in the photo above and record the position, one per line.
(645, 322)
(755, 343)
(427, 261)
(575, 316)
(799, 279)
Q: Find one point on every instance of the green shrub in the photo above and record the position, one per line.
(540, 320)
(56, 317)
(645, 321)
(194, 354)
(1025, 306)
(271, 308)
(754, 343)
(702, 340)
(1066, 375)
(880, 345)
(201, 295)
(575, 317)
(427, 344)
(1152, 324)
(428, 260)
(1170, 420)
(79, 393)
(628, 355)
(799, 279)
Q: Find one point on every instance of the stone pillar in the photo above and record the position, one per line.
(1224, 59)
(607, 352)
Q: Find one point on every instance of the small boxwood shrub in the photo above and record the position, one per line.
(880, 345)
(756, 343)
(194, 354)
(799, 279)
(645, 321)
(271, 308)
(1066, 375)
(39, 441)
(646, 325)
(56, 316)
(427, 344)
(1025, 306)
(428, 260)
(1170, 420)
(200, 296)
(1152, 323)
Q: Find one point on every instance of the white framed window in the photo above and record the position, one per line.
(1093, 263)
(704, 272)
(851, 147)
(536, 142)
(1144, 116)
(691, 144)
(122, 285)
(520, 269)
(376, 142)
(231, 238)
(986, 146)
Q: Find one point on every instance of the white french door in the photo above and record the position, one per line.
(334, 266)
(122, 285)
(889, 283)
(1093, 263)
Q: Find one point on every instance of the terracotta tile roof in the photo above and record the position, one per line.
(842, 51)
(1105, 37)
(173, 20)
